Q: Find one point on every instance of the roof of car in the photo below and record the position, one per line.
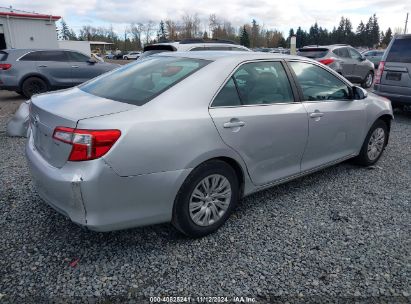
(217, 55)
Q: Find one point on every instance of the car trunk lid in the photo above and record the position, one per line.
(65, 109)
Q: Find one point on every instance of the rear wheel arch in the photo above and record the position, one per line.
(33, 75)
(387, 119)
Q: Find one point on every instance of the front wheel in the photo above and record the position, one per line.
(206, 199)
(369, 79)
(374, 144)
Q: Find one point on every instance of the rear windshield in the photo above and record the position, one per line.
(140, 82)
(3, 56)
(400, 51)
(313, 53)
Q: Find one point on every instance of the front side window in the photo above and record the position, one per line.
(77, 57)
(32, 56)
(140, 82)
(354, 54)
(342, 52)
(54, 56)
(317, 84)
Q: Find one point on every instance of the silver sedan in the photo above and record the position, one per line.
(182, 137)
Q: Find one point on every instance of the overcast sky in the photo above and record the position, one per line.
(280, 14)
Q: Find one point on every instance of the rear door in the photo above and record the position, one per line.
(81, 69)
(336, 121)
(396, 77)
(347, 63)
(256, 115)
(55, 67)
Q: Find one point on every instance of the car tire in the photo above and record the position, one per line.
(199, 211)
(33, 85)
(368, 81)
(374, 144)
(125, 58)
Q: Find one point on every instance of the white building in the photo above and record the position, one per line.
(20, 29)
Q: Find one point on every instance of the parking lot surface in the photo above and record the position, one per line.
(342, 233)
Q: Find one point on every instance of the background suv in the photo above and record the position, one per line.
(193, 45)
(344, 59)
(393, 79)
(30, 72)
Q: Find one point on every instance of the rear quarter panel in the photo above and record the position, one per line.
(173, 131)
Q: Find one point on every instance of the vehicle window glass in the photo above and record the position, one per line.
(140, 82)
(313, 52)
(354, 54)
(400, 51)
(342, 52)
(219, 48)
(318, 84)
(151, 52)
(78, 57)
(54, 56)
(233, 48)
(33, 56)
(263, 83)
(200, 49)
(228, 96)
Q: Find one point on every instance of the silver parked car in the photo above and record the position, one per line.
(30, 72)
(344, 59)
(182, 137)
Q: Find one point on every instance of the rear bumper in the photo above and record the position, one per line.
(8, 82)
(396, 99)
(91, 194)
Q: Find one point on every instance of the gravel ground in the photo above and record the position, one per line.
(342, 234)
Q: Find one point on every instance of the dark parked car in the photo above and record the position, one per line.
(393, 79)
(374, 56)
(344, 59)
(30, 72)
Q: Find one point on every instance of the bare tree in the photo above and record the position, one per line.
(148, 31)
(135, 30)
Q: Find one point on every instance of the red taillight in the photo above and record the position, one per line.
(4, 66)
(326, 61)
(87, 144)
(380, 70)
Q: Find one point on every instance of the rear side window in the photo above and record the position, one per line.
(33, 56)
(3, 56)
(256, 83)
(45, 56)
(354, 54)
(400, 51)
(313, 53)
(138, 83)
(342, 52)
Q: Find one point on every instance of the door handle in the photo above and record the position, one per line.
(234, 124)
(316, 114)
(75, 66)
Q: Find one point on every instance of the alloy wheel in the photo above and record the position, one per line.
(376, 144)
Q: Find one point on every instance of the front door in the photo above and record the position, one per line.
(55, 67)
(256, 115)
(81, 67)
(336, 121)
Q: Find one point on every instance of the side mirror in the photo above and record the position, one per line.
(363, 58)
(360, 93)
(92, 61)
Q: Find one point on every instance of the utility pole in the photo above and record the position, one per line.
(406, 23)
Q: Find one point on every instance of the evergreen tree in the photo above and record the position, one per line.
(244, 38)
(162, 33)
(360, 35)
(375, 31)
(387, 37)
(64, 30)
(205, 35)
(255, 31)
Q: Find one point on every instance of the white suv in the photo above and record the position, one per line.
(131, 55)
(193, 45)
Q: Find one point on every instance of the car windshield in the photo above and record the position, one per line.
(138, 83)
(400, 51)
(313, 53)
